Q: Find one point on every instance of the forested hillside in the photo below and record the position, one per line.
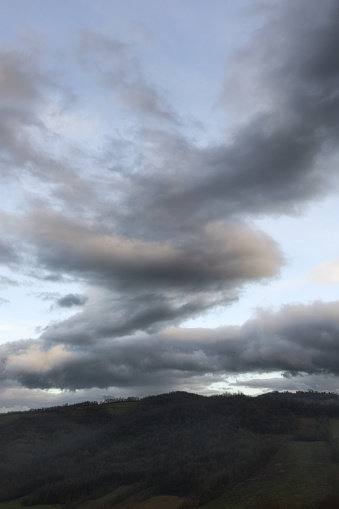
(189, 449)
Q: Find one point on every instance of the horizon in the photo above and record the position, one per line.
(112, 399)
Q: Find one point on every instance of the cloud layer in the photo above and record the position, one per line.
(299, 339)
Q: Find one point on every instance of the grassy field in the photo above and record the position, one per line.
(334, 429)
(121, 407)
(159, 502)
(16, 504)
(127, 497)
(8, 418)
(124, 497)
(301, 474)
(112, 499)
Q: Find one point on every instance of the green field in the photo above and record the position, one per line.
(334, 429)
(112, 499)
(121, 408)
(159, 502)
(6, 419)
(300, 475)
(17, 504)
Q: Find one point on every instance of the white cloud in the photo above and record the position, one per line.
(326, 273)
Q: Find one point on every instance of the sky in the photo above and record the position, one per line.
(169, 209)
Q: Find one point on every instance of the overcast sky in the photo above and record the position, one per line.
(169, 209)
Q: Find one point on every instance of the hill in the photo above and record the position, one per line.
(174, 451)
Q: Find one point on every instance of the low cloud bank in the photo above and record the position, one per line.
(298, 339)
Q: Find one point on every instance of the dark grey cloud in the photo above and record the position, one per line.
(275, 160)
(72, 299)
(49, 277)
(151, 284)
(8, 256)
(298, 339)
(223, 253)
(120, 316)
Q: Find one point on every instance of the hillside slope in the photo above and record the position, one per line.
(174, 450)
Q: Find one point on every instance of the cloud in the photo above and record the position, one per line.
(48, 295)
(72, 299)
(145, 101)
(29, 148)
(22, 88)
(273, 162)
(5, 282)
(21, 80)
(298, 339)
(301, 382)
(118, 70)
(151, 283)
(223, 253)
(8, 256)
(326, 273)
